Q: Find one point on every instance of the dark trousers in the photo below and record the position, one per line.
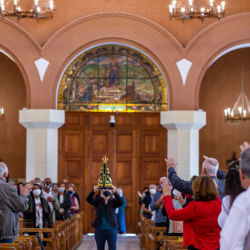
(6, 241)
(60, 217)
(102, 235)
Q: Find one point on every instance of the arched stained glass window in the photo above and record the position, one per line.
(112, 78)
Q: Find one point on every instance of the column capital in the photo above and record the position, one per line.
(183, 119)
(41, 118)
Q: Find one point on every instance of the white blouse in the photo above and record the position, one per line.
(224, 211)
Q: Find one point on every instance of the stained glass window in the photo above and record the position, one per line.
(112, 78)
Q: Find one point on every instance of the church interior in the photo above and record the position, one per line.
(135, 81)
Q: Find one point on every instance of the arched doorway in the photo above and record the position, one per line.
(118, 79)
(220, 88)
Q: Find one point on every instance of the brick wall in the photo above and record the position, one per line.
(12, 134)
(220, 89)
(155, 10)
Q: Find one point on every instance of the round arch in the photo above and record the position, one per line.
(130, 30)
(151, 65)
(23, 49)
(212, 42)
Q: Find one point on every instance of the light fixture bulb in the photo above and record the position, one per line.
(223, 5)
(202, 10)
(182, 9)
(174, 3)
(38, 9)
(211, 2)
(36, 2)
(240, 109)
(15, 2)
(19, 9)
(244, 113)
(192, 9)
(190, 2)
(219, 8)
(225, 112)
(51, 5)
(171, 8)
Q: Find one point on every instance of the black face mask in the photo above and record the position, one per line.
(7, 178)
(70, 192)
(147, 193)
(106, 193)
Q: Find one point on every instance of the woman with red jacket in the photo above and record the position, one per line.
(200, 226)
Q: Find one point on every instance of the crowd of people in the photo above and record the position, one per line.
(214, 207)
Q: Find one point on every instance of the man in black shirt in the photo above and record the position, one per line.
(147, 201)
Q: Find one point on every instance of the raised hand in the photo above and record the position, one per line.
(113, 189)
(25, 190)
(181, 200)
(244, 146)
(166, 188)
(170, 162)
(96, 188)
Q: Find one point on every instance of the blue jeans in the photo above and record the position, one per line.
(101, 235)
(6, 241)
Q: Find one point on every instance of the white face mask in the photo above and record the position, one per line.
(37, 192)
(152, 191)
(175, 192)
(61, 190)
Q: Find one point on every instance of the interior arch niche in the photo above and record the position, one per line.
(112, 78)
(220, 88)
(12, 134)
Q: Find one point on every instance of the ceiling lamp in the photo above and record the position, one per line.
(193, 12)
(241, 109)
(36, 13)
(1, 114)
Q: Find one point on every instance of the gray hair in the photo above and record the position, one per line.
(211, 165)
(119, 191)
(163, 177)
(245, 162)
(3, 168)
(152, 185)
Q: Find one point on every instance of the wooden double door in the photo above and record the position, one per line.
(136, 157)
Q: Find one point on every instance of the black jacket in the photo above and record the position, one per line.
(100, 205)
(186, 186)
(66, 205)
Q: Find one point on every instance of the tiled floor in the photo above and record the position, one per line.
(123, 243)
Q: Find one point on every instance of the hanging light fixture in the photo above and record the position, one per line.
(192, 12)
(241, 109)
(37, 13)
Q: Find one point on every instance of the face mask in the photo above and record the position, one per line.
(147, 193)
(70, 192)
(152, 191)
(106, 193)
(47, 185)
(7, 178)
(61, 190)
(36, 192)
(175, 192)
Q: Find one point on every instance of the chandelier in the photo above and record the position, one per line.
(241, 109)
(1, 114)
(35, 13)
(193, 12)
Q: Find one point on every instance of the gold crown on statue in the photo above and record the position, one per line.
(105, 179)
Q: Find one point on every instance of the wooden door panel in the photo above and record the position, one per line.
(73, 143)
(73, 167)
(124, 171)
(100, 142)
(151, 170)
(73, 119)
(152, 143)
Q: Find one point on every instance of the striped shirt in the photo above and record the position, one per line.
(46, 195)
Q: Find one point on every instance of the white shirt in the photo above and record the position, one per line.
(45, 195)
(224, 211)
(235, 234)
(61, 210)
(39, 213)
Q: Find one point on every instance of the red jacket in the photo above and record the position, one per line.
(200, 226)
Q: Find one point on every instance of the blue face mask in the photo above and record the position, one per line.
(70, 192)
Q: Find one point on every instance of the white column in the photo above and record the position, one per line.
(183, 139)
(41, 141)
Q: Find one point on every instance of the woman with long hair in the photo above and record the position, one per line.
(200, 226)
(232, 189)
